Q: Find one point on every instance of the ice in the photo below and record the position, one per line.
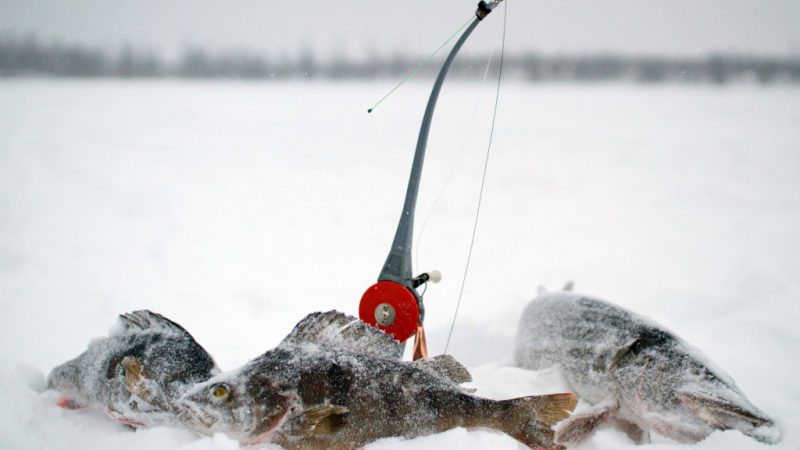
(236, 208)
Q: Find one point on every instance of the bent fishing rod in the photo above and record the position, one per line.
(393, 304)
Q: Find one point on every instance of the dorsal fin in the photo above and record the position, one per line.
(445, 366)
(146, 320)
(621, 353)
(338, 331)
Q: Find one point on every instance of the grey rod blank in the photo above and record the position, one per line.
(398, 266)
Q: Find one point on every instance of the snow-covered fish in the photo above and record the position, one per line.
(335, 382)
(136, 373)
(634, 373)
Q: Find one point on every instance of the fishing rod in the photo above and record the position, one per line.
(393, 304)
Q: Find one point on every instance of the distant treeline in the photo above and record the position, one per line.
(29, 57)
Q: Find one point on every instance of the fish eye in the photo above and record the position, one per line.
(220, 391)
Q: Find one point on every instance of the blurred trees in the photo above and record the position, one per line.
(28, 56)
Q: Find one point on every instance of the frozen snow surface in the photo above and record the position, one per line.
(235, 209)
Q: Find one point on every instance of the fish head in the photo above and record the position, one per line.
(712, 397)
(245, 407)
(65, 377)
(646, 385)
(676, 391)
(700, 407)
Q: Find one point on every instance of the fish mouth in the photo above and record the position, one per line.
(262, 432)
(196, 416)
(265, 425)
(122, 418)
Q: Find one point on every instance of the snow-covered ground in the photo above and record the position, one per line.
(237, 208)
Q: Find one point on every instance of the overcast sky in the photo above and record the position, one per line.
(686, 27)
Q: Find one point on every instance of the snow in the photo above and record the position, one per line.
(237, 208)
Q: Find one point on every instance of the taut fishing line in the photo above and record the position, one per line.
(483, 177)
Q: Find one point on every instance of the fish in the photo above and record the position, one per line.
(336, 382)
(136, 373)
(636, 374)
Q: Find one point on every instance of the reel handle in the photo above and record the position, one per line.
(434, 276)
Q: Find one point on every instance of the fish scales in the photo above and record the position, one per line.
(137, 372)
(634, 372)
(372, 391)
(312, 392)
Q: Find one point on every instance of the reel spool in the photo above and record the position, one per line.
(392, 308)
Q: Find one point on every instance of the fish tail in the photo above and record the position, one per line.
(530, 420)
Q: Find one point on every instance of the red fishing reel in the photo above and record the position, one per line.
(392, 308)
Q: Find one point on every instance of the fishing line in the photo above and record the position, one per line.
(467, 135)
(420, 65)
(483, 177)
(424, 290)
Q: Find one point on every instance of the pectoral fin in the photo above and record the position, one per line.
(323, 419)
(134, 374)
(579, 426)
(620, 355)
(138, 384)
(638, 435)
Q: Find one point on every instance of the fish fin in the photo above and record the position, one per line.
(530, 419)
(445, 366)
(579, 426)
(67, 402)
(146, 320)
(647, 338)
(135, 375)
(338, 331)
(727, 414)
(637, 434)
(138, 383)
(133, 372)
(569, 286)
(323, 419)
(621, 353)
